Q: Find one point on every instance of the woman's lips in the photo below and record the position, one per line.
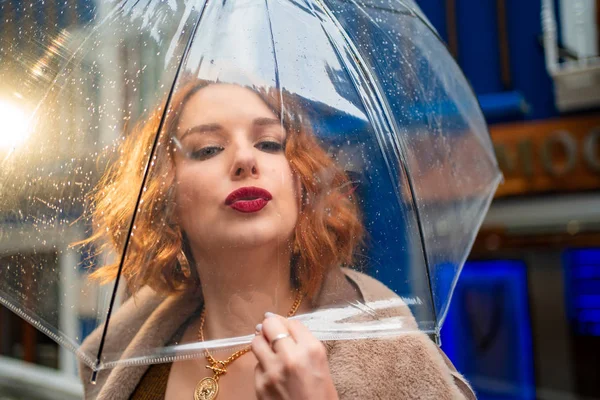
(249, 206)
(248, 199)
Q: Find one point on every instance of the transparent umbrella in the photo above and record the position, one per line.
(126, 185)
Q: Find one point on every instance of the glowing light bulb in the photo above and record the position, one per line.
(13, 126)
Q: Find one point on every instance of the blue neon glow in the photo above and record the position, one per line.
(501, 367)
(582, 285)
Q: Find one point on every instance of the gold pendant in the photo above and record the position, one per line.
(206, 389)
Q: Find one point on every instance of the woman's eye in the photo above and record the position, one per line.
(205, 152)
(270, 146)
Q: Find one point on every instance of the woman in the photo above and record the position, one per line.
(243, 213)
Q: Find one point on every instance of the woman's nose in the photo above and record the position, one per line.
(245, 165)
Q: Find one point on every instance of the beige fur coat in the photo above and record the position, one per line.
(410, 366)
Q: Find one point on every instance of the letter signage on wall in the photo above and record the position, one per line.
(559, 155)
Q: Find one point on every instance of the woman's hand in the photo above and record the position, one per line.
(292, 367)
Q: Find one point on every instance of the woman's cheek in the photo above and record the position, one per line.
(186, 196)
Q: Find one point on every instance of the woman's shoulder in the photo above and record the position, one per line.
(370, 288)
(140, 326)
(123, 326)
(409, 365)
(381, 300)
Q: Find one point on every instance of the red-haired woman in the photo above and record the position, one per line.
(244, 219)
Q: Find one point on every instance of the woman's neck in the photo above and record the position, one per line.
(240, 285)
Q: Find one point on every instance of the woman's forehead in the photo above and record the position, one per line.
(221, 108)
(222, 102)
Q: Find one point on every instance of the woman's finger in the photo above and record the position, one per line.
(262, 350)
(300, 332)
(267, 384)
(312, 346)
(275, 330)
(263, 389)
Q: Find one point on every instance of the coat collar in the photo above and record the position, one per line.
(163, 319)
(409, 367)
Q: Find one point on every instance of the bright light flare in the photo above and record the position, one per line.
(13, 126)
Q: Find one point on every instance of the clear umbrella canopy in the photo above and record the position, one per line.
(160, 156)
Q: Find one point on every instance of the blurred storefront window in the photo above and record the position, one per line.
(524, 321)
(488, 329)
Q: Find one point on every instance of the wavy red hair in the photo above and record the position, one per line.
(327, 233)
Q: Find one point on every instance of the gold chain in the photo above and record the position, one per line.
(220, 367)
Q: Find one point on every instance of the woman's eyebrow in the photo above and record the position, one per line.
(205, 128)
(264, 121)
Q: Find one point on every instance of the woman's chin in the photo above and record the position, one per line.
(247, 239)
(241, 235)
(255, 240)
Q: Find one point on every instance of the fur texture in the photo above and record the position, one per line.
(410, 366)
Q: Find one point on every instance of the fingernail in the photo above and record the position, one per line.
(258, 328)
(269, 314)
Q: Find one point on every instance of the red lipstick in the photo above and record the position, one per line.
(248, 199)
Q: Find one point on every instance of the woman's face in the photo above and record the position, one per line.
(234, 186)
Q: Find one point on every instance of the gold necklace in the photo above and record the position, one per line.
(208, 388)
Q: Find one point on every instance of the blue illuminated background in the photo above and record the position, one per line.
(582, 288)
(487, 333)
